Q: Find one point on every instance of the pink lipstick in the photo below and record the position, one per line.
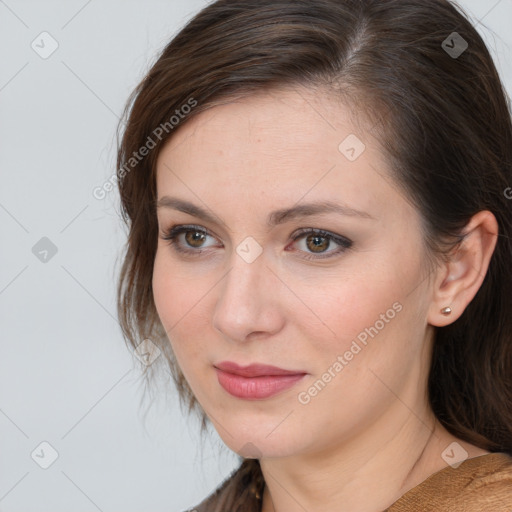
(256, 381)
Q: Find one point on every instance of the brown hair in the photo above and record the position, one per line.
(443, 122)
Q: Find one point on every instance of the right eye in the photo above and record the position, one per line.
(188, 239)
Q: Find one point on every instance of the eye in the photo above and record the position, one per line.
(188, 239)
(316, 242)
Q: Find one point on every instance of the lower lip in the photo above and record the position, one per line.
(256, 388)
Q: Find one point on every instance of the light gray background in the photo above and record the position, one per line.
(66, 376)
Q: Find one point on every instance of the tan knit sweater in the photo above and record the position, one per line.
(481, 484)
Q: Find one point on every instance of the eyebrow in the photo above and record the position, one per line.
(276, 217)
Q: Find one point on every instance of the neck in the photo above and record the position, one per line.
(364, 474)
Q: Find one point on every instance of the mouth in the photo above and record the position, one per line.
(256, 381)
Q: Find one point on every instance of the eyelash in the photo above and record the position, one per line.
(171, 235)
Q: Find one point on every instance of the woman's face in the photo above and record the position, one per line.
(307, 258)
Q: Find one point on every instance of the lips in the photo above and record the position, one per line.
(256, 381)
(255, 370)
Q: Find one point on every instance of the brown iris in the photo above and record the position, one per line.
(195, 238)
(318, 243)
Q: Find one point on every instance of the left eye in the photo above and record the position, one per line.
(319, 241)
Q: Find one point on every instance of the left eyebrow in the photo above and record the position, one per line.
(276, 217)
(307, 209)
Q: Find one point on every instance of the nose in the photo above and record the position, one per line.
(247, 305)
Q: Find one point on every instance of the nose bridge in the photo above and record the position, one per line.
(244, 283)
(245, 304)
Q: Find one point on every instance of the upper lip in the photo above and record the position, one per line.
(254, 370)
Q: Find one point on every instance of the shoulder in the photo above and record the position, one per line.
(489, 485)
(481, 483)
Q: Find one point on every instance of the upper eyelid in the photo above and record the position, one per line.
(179, 229)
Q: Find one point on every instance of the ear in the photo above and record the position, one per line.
(459, 278)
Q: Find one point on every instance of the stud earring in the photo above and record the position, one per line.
(446, 311)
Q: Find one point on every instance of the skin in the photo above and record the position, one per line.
(371, 426)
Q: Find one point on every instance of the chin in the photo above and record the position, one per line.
(256, 438)
(260, 448)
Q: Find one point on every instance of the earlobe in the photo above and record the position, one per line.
(462, 274)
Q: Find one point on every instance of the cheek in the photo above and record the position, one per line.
(180, 303)
(343, 307)
(376, 342)
(375, 318)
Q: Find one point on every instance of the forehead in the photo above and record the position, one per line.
(281, 146)
(271, 130)
(270, 116)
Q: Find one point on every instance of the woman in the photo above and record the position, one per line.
(320, 245)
